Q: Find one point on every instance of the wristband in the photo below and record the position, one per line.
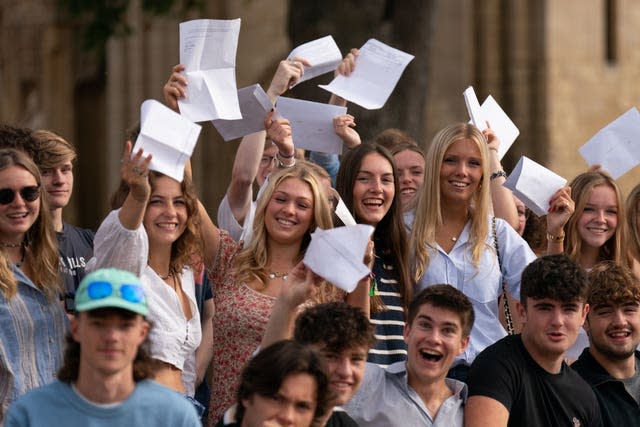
(497, 174)
(281, 164)
(552, 238)
(290, 156)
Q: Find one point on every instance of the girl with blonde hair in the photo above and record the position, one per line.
(453, 237)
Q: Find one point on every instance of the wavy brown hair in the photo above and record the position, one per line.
(40, 240)
(187, 249)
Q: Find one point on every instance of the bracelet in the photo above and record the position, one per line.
(496, 174)
(285, 156)
(281, 164)
(552, 238)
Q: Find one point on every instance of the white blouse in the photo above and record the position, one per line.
(482, 286)
(173, 337)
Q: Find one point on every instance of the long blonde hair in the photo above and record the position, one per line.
(251, 262)
(429, 206)
(40, 239)
(615, 249)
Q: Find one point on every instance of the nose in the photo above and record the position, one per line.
(343, 367)
(618, 317)
(56, 176)
(18, 200)
(405, 176)
(601, 216)
(557, 317)
(286, 416)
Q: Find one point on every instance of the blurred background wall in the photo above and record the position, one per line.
(560, 69)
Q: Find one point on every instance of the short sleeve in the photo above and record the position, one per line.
(491, 375)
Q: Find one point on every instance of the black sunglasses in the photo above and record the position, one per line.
(28, 194)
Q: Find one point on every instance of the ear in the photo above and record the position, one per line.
(522, 311)
(464, 343)
(74, 326)
(144, 330)
(405, 332)
(585, 311)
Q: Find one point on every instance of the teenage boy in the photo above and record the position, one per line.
(416, 391)
(55, 158)
(104, 377)
(522, 380)
(286, 384)
(610, 363)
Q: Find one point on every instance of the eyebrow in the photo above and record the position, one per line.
(430, 319)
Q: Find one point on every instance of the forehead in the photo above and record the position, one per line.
(295, 187)
(375, 162)
(438, 314)
(355, 349)
(602, 194)
(552, 302)
(165, 184)
(16, 174)
(408, 158)
(463, 147)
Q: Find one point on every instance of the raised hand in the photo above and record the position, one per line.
(344, 128)
(175, 88)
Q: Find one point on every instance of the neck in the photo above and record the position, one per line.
(56, 218)
(100, 388)
(589, 256)
(160, 259)
(432, 393)
(550, 362)
(455, 212)
(620, 369)
(282, 257)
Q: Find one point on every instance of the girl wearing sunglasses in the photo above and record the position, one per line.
(33, 321)
(154, 233)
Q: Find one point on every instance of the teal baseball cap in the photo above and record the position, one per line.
(111, 288)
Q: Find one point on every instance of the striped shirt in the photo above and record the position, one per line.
(389, 324)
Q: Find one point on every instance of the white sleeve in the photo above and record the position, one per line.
(227, 221)
(115, 246)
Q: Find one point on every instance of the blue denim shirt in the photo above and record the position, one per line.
(31, 340)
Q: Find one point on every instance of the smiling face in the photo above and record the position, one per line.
(434, 339)
(289, 212)
(461, 171)
(17, 217)
(108, 343)
(550, 326)
(599, 219)
(410, 166)
(374, 189)
(166, 215)
(58, 183)
(614, 330)
(346, 370)
(293, 405)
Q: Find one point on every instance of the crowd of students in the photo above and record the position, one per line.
(461, 322)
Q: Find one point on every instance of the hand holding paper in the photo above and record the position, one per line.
(323, 55)
(168, 136)
(208, 52)
(378, 71)
(616, 146)
(491, 112)
(534, 184)
(254, 105)
(337, 254)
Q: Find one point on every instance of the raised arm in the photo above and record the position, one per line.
(175, 88)
(561, 207)
(345, 68)
(300, 286)
(501, 197)
(135, 173)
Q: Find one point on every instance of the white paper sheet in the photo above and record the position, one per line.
(342, 212)
(616, 146)
(254, 105)
(337, 254)
(473, 107)
(208, 52)
(378, 69)
(534, 185)
(323, 54)
(506, 131)
(168, 136)
(312, 124)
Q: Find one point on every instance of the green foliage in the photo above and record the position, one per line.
(101, 19)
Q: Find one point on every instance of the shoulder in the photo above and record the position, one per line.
(339, 418)
(85, 233)
(165, 400)
(42, 397)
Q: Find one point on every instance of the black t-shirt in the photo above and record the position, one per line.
(75, 246)
(340, 418)
(534, 397)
